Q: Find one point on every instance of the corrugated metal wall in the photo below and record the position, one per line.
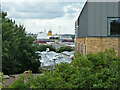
(93, 19)
(82, 29)
(83, 22)
(119, 9)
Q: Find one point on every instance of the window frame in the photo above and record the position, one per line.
(84, 50)
(78, 46)
(81, 48)
(108, 30)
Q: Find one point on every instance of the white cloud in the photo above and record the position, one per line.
(44, 0)
(39, 16)
(35, 10)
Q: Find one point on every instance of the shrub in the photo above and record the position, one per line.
(43, 48)
(1, 80)
(24, 81)
(95, 71)
(66, 48)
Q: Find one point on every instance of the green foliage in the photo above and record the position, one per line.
(1, 80)
(61, 49)
(43, 48)
(65, 48)
(18, 50)
(73, 37)
(94, 71)
(24, 81)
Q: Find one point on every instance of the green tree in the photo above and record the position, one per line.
(73, 37)
(65, 48)
(43, 48)
(18, 49)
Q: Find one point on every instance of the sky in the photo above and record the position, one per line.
(37, 16)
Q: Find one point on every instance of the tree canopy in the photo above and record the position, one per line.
(18, 50)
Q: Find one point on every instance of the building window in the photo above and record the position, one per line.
(81, 48)
(84, 50)
(78, 46)
(75, 47)
(114, 26)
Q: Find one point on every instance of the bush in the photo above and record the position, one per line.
(43, 48)
(1, 80)
(66, 48)
(25, 81)
(95, 71)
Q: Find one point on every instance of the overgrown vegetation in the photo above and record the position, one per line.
(59, 50)
(43, 48)
(1, 80)
(65, 48)
(95, 71)
(18, 50)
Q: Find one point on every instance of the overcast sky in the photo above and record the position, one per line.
(37, 16)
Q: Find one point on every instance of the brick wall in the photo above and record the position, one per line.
(96, 44)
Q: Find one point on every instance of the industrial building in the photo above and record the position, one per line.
(44, 37)
(98, 27)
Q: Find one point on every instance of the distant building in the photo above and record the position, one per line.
(32, 35)
(98, 27)
(49, 33)
(54, 37)
(66, 38)
(42, 37)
